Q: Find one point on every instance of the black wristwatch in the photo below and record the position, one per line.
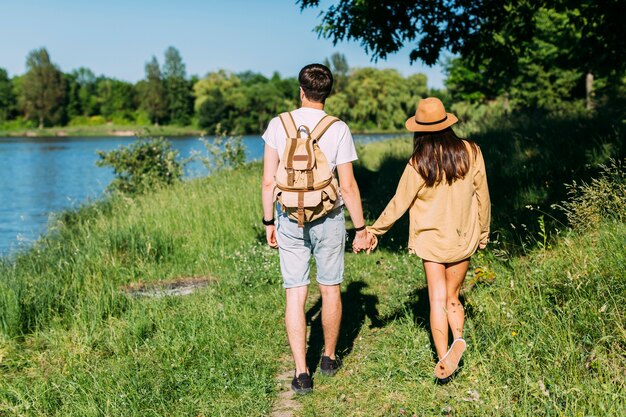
(358, 229)
(268, 222)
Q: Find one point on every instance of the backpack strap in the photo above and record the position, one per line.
(292, 134)
(288, 124)
(322, 126)
(300, 209)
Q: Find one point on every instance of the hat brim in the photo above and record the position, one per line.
(413, 126)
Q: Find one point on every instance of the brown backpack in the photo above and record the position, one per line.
(305, 186)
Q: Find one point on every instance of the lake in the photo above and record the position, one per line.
(40, 176)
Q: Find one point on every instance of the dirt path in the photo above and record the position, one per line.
(286, 405)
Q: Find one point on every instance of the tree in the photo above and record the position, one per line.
(83, 98)
(153, 95)
(7, 98)
(115, 98)
(491, 34)
(467, 84)
(377, 99)
(42, 89)
(338, 65)
(211, 105)
(177, 91)
(543, 76)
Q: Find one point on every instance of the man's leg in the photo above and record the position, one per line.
(329, 243)
(295, 322)
(331, 317)
(294, 249)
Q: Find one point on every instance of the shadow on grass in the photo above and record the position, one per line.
(356, 308)
(418, 307)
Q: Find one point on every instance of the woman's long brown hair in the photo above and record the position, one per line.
(441, 155)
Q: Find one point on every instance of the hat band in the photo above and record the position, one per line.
(431, 123)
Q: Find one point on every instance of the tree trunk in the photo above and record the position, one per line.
(507, 104)
(40, 122)
(589, 90)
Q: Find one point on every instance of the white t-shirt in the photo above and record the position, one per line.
(336, 144)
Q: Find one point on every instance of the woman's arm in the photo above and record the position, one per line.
(408, 187)
(484, 202)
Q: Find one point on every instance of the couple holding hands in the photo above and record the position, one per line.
(444, 188)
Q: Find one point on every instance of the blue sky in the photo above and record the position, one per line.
(116, 38)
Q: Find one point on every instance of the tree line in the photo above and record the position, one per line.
(237, 103)
(543, 56)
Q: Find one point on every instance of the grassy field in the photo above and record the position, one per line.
(545, 317)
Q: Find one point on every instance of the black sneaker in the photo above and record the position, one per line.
(302, 384)
(329, 367)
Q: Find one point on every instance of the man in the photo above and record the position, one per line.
(324, 238)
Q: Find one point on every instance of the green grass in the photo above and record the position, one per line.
(100, 130)
(74, 344)
(546, 336)
(545, 324)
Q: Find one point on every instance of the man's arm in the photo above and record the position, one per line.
(352, 198)
(270, 166)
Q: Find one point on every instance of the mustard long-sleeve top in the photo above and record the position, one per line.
(447, 222)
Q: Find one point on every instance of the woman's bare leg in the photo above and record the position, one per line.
(455, 275)
(436, 279)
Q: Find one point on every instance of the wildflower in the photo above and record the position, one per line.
(513, 333)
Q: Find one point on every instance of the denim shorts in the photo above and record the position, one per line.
(323, 238)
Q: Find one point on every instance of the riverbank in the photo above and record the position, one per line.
(127, 131)
(103, 131)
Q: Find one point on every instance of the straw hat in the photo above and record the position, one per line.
(430, 116)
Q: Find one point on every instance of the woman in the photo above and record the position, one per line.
(444, 186)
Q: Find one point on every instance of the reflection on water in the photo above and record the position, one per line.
(53, 148)
(39, 176)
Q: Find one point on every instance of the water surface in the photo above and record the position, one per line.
(40, 176)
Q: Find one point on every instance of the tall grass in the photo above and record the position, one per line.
(545, 332)
(75, 344)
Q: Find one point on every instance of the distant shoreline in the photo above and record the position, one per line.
(126, 131)
(103, 131)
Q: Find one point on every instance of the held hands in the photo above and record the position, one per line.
(364, 241)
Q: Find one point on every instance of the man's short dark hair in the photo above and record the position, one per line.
(316, 81)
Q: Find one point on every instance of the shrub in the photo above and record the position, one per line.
(141, 118)
(602, 198)
(122, 118)
(142, 166)
(87, 121)
(224, 152)
(17, 124)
